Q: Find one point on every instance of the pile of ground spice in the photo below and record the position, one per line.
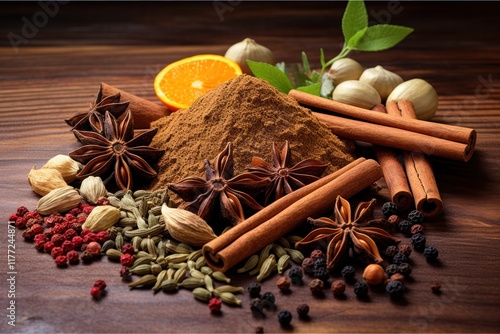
(251, 114)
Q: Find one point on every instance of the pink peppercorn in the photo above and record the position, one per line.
(69, 234)
(67, 246)
(37, 229)
(57, 239)
(56, 251)
(317, 254)
(69, 217)
(40, 237)
(88, 209)
(102, 201)
(77, 241)
(102, 236)
(94, 248)
(21, 211)
(100, 284)
(60, 228)
(28, 235)
(89, 237)
(75, 211)
(48, 232)
(20, 223)
(48, 246)
(127, 260)
(96, 293)
(61, 261)
(80, 220)
(73, 257)
(128, 249)
(84, 232)
(76, 226)
(39, 245)
(13, 217)
(214, 305)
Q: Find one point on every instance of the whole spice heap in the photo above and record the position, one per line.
(252, 115)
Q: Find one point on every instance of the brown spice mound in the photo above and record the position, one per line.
(251, 114)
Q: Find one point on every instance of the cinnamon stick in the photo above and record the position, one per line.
(144, 111)
(460, 141)
(418, 169)
(394, 173)
(287, 213)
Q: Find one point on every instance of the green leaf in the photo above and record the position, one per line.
(271, 74)
(305, 63)
(281, 66)
(313, 89)
(353, 41)
(355, 18)
(381, 37)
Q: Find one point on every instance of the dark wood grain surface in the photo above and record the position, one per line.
(56, 70)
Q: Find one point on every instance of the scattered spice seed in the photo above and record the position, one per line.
(321, 273)
(316, 286)
(73, 257)
(96, 293)
(405, 269)
(394, 220)
(431, 253)
(390, 251)
(259, 329)
(94, 248)
(254, 289)
(405, 249)
(256, 307)
(214, 305)
(416, 217)
(399, 258)
(436, 288)
(417, 228)
(389, 209)
(395, 289)
(283, 284)
(348, 272)
(296, 275)
(269, 296)
(61, 261)
(361, 289)
(308, 265)
(317, 254)
(338, 288)
(303, 311)
(418, 241)
(285, 317)
(404, 226)
(391, 269)
(397, 277)
(127, 260)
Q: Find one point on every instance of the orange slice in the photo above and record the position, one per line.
(183, 81)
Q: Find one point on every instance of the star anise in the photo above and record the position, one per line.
(285, 178)
(93, 119)
(220, 193)
(361, 235)
(116, 152)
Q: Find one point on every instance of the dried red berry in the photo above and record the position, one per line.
(77, 242)
(36, 229)
(100, 284)
(73, 257)
(89, 237)
(96, 293)
(21, 211)
(88, 209)
(214, 305)
(56, 251)
(283, 283)
(317, 254)
(61, 261)
(85, 232)
(39, 245)
(48, 232)
(124, 272)
(69, 234)
(69, 217)
(48, 246)
(20, 223)
(75, 212)
(40, 237)
(60, 228)
(67, 246)
(127, 260)
(86, 257)
(102, 236)
(28, 235)
(128, 249)
(94, 248)
(13, 217)
(102, 201)
(58, 239)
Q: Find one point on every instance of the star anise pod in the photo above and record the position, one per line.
(284, 177)
(93, 119)
(361, 234)
(220, 193)
(116, 152)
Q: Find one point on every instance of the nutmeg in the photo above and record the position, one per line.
(374, 274)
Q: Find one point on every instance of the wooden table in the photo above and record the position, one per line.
(56, 70)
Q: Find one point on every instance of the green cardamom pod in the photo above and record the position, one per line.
(227, 288)
(267, 268)
(141, 193)
(176, 258)
(140, 261)
(108, 244)
(156, 269)
(180, 274)
(200, 262)
(191, 283)
(278, 250)
(229, 298)
(155, 210)
(220, 276)
(144, 254)
(153, 220)
(168, 285)
(264, 254)
(136, 242)
(141, 270)
(293, 239)
(206, 270)
(191, 264)
(144, 281)
(161, 249)
(197, 274)
(114, 201)
(119, 241)
(159, 279)
(283, 263)
(184, 248)
(123, 222)
(295, 255)
(209, 283)
(151, 248)
(170, 273)
(202, 294)
(249, 264)
(194, 255)
(144, 244)
(145, 232)
(283, 242)
(113, 254)
(176, 265)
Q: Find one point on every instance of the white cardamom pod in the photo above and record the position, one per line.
(345, 69)
(101, 218)
(382, 80)
(58, 200)
(421, 93)
(356, 93)
(187, 227)
(248, 49)
(43, 181)
(92, 189)
(68, 167)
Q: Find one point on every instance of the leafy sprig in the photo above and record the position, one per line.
(358, 36)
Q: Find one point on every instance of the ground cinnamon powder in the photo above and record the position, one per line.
(251, 114)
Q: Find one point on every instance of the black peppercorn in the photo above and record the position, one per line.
(257, 308)
(322, 273)
(399, 258)
(431, 253)
(348, 272)
(296, 275)
(395, 288)
(418, 242)
(320, 263)
(303, 311)
(269, 296)
(361, 289)
(416, 217)
(267, 301)
(390, 251)
(405, 269)
(404, 226)
(389, 209)
(285, 317)
(391, 269)
(254, 289)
